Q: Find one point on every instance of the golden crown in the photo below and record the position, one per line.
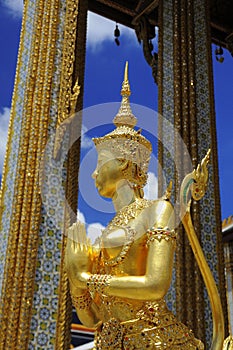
(125, 142)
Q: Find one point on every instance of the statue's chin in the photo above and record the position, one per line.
(102, 192)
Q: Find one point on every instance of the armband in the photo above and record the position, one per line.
(159, 234)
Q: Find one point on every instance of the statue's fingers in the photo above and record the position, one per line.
(79, 232)
(76, 233)
(89, 245)
(85, 248)
(70, 235)
(82, 247)
(82, 233)
(84, 236)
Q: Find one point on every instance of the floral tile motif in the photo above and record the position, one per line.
(168, 113)
(204, 132)
(13, 149)
(45, 304)
(205, 140)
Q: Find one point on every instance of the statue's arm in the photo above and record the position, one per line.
(86, 309)
(156, 281)
(153, 285)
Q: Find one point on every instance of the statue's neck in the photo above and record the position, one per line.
(124, 195)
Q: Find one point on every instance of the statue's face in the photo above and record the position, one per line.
(107, 174)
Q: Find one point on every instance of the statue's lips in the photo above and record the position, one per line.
(97, 185)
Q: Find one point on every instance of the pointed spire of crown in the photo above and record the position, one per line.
(125, 115)
(125, 91)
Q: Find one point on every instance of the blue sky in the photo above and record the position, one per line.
(104, 71)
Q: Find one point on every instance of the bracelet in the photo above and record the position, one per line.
(98, 284)
(83, 301)
(159, 234)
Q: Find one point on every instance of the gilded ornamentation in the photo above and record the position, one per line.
(130, 236)
(98, 284)
(228, 343)
(83, 301)
(67, 98)
(61, 128)
(186, 99)
(129, 272)
(160, 234)
(26, 207)
(68, 62)
(199, 178)
(126, 143)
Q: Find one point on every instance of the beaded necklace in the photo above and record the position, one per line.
(121, 220)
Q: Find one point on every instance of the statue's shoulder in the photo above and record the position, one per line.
(160, 213)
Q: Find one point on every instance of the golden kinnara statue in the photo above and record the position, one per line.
(119, 287)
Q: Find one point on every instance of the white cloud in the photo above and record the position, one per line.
(151, 188)
(86, 141)
(4, 122)
(101, 29)
(81, 217)
(93, 230)
(14, 7)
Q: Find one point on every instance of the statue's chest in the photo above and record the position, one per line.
(121, 246)
(114, 241)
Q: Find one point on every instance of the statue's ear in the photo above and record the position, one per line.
(124, 164)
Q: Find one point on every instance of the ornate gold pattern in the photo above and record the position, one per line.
(188, 47)
(159, 234)
(199, 177)
(72, 71)
(130, 236)
(23, 237)
(82, 301)
(67, 98)
(124, 142)
(98, 284)
(128, 213)
(228, 343)
(163, 332)
(68, 60)
(65, 103)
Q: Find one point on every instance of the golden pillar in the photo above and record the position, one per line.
(186, 100)
(35, 308)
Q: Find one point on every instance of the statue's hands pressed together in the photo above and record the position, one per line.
(79, 259)
(79, 254)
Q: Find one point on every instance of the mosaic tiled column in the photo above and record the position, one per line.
(35, 306)
(228, 252)
(186, 100)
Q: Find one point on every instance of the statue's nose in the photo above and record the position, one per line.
(94, 174)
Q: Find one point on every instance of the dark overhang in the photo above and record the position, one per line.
(128, 12)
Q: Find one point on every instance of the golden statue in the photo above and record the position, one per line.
(119, 286)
